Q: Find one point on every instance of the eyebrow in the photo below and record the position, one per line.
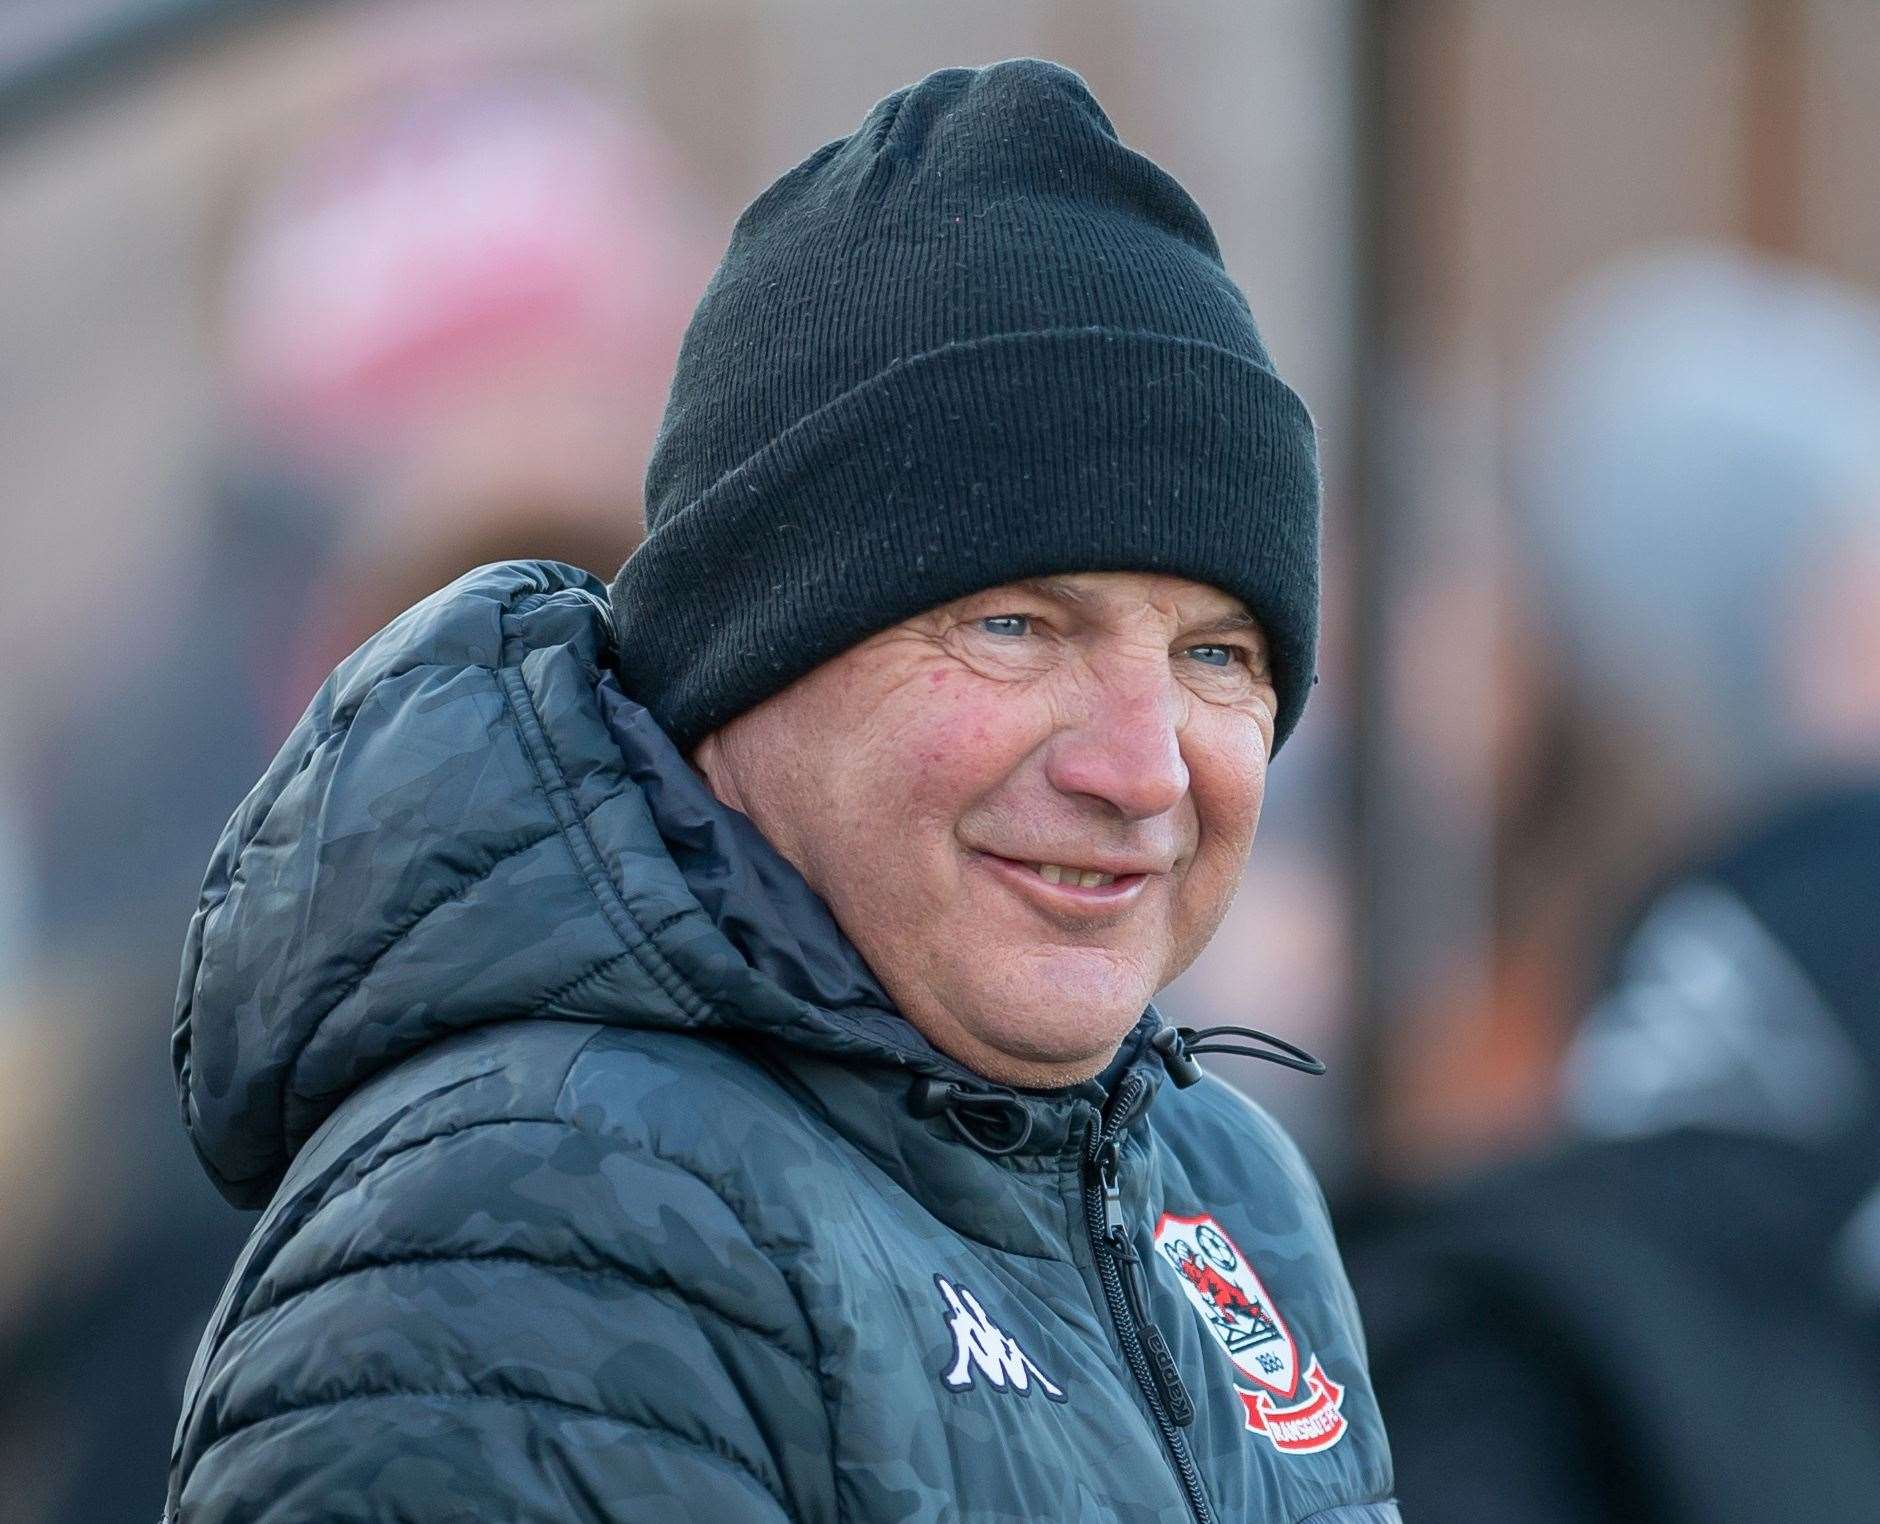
(1234, 622)
(1056, 589)
(1061, 590)
(1226, 624)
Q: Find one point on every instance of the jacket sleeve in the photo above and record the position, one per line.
(517, 1320)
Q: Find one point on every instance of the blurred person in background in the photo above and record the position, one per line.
(1698, 496)
(1598, 1333)
(457, 313)
(1684, 623)
(444, 320)
(1674, 1318)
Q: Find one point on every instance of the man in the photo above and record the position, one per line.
(786, 1135)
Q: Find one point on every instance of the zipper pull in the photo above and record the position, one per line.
(1162, 1366)
(1168, 1376)
(1109, 1176)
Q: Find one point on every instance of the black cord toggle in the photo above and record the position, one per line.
(991, 1118)
(1178, 1046)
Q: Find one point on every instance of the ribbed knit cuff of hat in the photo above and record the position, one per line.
(1020, 455)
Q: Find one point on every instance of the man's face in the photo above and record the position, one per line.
(1110, 729)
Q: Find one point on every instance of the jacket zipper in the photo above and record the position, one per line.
(1125, 1289)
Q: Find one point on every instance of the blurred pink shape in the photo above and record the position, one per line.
(462, 228)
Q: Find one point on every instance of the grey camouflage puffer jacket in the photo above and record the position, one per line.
(604, 1183)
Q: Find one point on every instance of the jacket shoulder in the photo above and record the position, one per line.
(483, 1231)
(1217, 1132)
(567, 1139)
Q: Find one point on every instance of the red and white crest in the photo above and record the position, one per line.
(1234, 1304)
(1231, 1299)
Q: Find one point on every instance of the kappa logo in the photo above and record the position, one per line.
(981, 1346)
(1228, 1293)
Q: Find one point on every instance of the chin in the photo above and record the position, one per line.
(1066, 1014)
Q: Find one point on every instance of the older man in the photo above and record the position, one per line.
(697, 1054)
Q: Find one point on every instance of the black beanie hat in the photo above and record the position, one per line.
(976, 341)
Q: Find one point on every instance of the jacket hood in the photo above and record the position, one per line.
(473, 823)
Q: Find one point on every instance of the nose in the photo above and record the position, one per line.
(1124, 748)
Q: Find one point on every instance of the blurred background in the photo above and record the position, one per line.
(308, 305)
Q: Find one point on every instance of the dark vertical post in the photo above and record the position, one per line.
(1375, 496)
(1771, 124)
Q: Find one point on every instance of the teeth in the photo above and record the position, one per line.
(1085, 878)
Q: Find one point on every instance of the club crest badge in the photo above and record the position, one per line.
(1233, 1302)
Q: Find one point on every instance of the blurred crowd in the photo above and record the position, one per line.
(1616, 1227)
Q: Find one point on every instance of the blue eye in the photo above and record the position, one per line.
(1008, 625)
(1213, 656)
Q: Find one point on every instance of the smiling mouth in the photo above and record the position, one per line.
(1082, 878)
(1068, 889)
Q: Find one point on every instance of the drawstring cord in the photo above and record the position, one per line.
(990, 1117)
(1177, 1047)
(996, 1120)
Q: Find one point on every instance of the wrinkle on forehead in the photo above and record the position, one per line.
(1165, 590)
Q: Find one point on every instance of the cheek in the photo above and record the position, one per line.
(1227, 778)
(953, 740)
